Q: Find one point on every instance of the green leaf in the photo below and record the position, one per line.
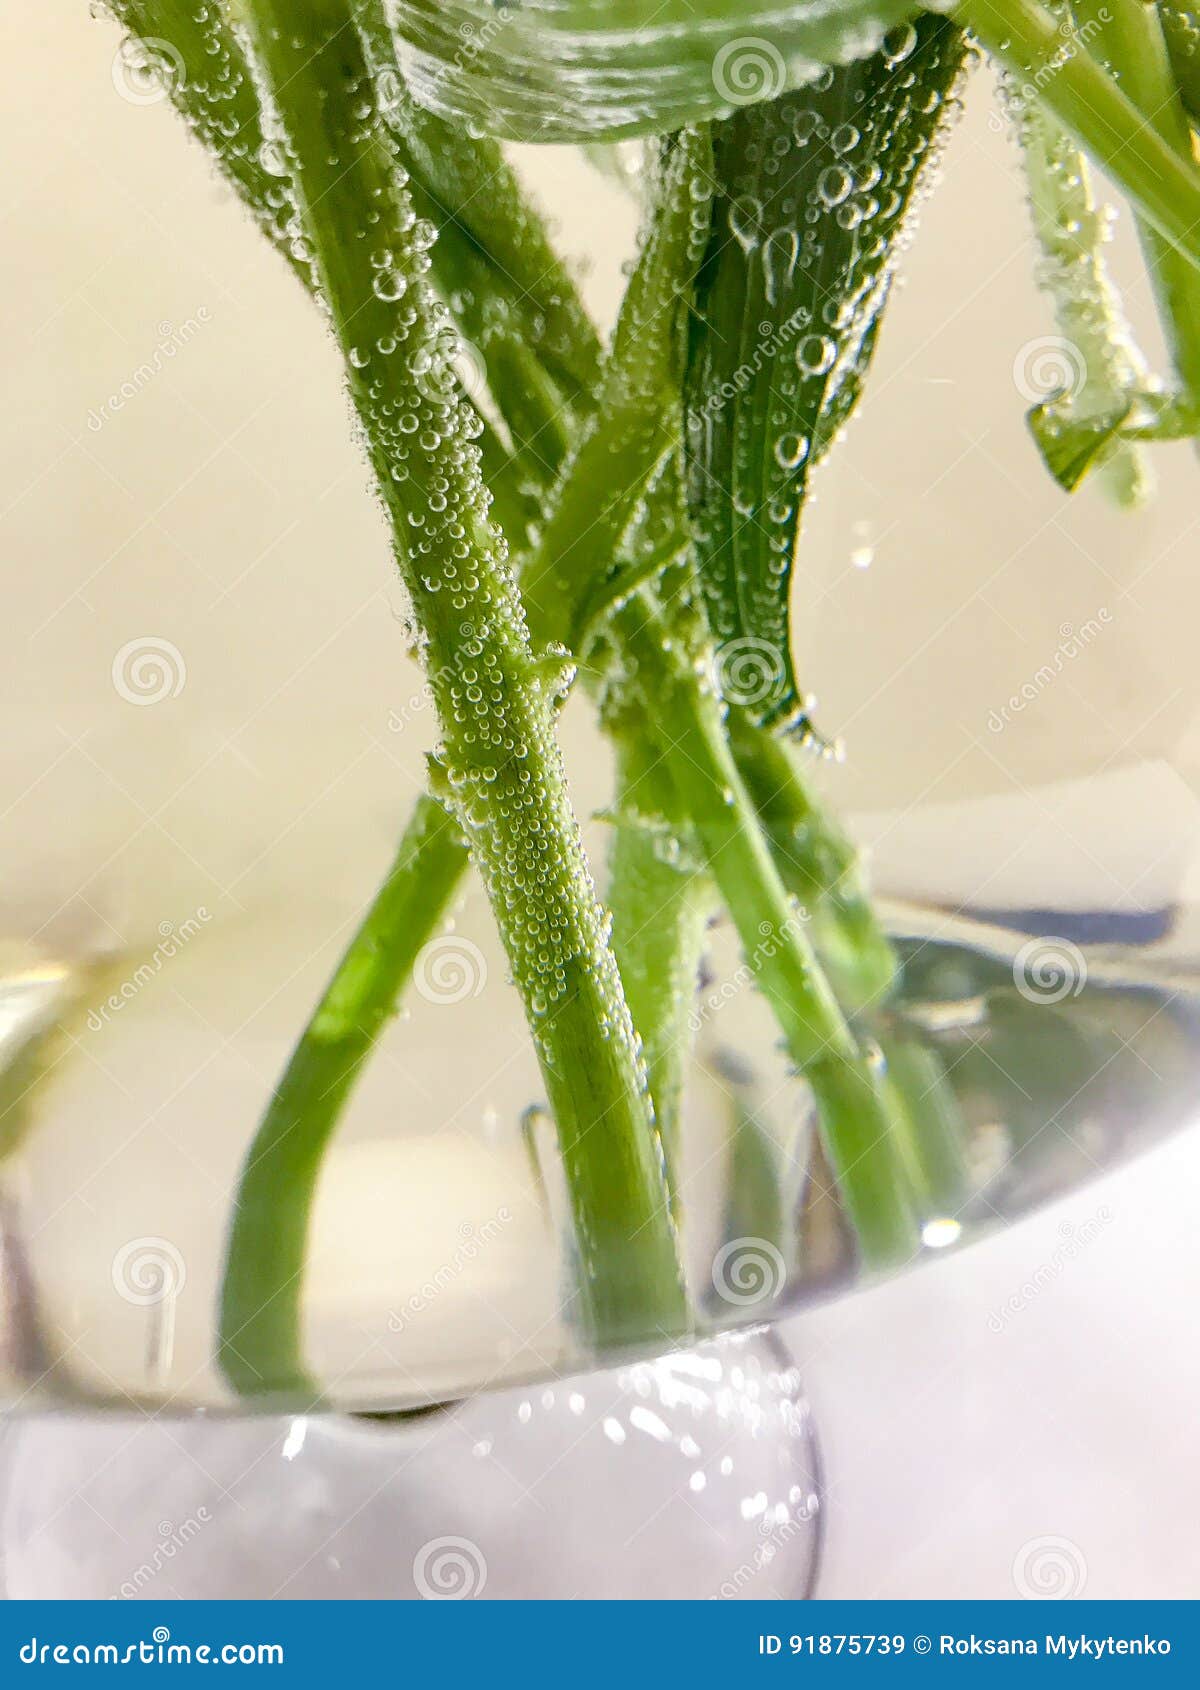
(812, 192)
(585, 70)
(1181, 28)
(1071, 446)
(636, 423)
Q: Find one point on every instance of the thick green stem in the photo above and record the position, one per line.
(855, 1121)
(203, 66)
(1164, 186)
(264, 1267)
(500, 769)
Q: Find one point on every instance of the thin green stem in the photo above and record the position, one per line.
(262, 1288)
(855, 1122)
(1164, 186)
(499, 768)
(933, 1132)
(818, 863)
(1126, 36)
(635, 423)
(1076, 429)
(661, 904)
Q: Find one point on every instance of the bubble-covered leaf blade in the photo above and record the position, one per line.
(813, 190)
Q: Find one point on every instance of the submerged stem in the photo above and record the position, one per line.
(661, 904)
(499, 770)
(855, 1120)
(264, 1265)
(818, 863)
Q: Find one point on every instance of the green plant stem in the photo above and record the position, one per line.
(1126, 36)
(211, 87)
(819, 865)
(499, 769)
(475, 189)
(635, 423)
(661, 904)
(263, 1279)
(933, 1130)
(1164, 186)
(1078, 429)
(855, 1122)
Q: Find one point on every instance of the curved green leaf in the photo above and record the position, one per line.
(582, 70)
(1181, 27)
(812, 193)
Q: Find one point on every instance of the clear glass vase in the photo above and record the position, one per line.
(693, 1476)
(215, 734)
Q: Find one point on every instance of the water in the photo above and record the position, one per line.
(440, 1256)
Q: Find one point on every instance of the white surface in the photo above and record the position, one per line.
(950, 1446)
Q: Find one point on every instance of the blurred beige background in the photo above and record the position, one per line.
(224, 511)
